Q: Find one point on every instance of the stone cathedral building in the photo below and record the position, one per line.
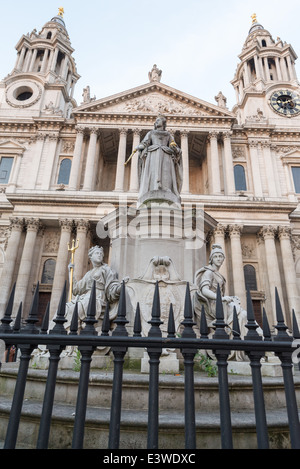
(62, 167)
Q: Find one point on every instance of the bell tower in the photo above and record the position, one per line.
(266, 74)
(44, 76)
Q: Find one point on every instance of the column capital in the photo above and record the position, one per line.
(93, 130)
(266, 144)
(123, 131)
(66, 224)
(16, 223)
(80, 129)
(212, 134)
(253, 143)
(268, 231)
(235, 230)
(137, 131)
(284, 232)
(220, 229)
(184, 132)
(82, 225)
(33, 224)
(227, 134)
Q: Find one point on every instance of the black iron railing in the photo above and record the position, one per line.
(27, 338)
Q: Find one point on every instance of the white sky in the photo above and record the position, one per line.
(195, 43)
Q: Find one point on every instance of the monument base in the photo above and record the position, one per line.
(271, 368)
(71, 362)
(159, 196)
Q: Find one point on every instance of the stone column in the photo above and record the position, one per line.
(290, 68)
(257, 186)
(76, 160)
(27, 60)
(284, 233)
(134, 176)
(237, 263)
(258, 66)
(219, 238)
(44, 61)
(119, 184)
(61, 268)
(268, 233)
(90, 161)
(34, 168)
(16, 225)
(54, 60)
(214, 165)
(185, 162)
(266, 146)
(32, 226)
(229, 176)
(80, 253)
(278, 69)
(32, 61)
(267, 70)
(21, 59)
(246, 74)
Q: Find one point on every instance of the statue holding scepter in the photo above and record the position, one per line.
(160, 164)
(108, 289)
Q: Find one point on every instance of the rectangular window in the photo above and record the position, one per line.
(296, 178)
(5, 169)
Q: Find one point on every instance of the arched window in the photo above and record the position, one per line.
(240, 178)
(64, 171)
(263, 43)
(250, 277)
(49, 35)
(48, 271)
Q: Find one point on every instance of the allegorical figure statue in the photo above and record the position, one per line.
(207, 280)
(107, 289)
(160, 168)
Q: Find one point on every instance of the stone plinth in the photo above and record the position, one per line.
(167, 363)
(157, 229)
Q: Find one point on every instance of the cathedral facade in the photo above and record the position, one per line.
(64, 167)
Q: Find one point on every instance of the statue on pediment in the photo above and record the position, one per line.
(155, 74)
(160, 164)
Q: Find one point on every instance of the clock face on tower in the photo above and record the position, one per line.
(285, 102)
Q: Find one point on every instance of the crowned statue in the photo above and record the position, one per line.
(160, 165)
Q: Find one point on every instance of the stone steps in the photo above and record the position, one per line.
(134, 427)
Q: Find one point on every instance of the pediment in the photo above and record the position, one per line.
(153, 99)
(291, 155)
(8, 146)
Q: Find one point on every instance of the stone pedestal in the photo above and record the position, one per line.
(167, 363)
(272, 367)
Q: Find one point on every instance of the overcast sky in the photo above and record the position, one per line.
(195, 43)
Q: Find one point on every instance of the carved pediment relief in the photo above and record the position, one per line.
(154, 99)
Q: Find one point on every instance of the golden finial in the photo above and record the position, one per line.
(61, 11)
(254, 19)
